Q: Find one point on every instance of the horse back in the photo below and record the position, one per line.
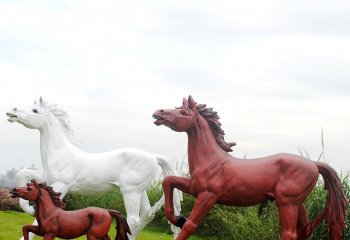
(77, 223)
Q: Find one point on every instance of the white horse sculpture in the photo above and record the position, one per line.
(68, 169)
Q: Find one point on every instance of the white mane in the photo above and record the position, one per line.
(62, 118)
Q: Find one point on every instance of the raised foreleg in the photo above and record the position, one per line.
(205, 201)
(30, 228)
(169, 183)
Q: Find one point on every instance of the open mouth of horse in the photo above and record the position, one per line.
(12, 117)
(159, 120)
(14, 193)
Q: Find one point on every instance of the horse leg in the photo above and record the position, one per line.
(90, 236)
(132, 201)
(302, 223)
(205, 201)
(288, 215)
(31, 234)
(169, 183)
(145, 204)
(30, 228)
(146, 211)
(49, 237)
(106, 237)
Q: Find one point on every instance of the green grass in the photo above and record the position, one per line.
(11, 223)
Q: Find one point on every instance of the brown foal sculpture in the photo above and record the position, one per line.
(218, 177)
(54, 222)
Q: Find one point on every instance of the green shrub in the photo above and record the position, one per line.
(109, 200)
(7, 202)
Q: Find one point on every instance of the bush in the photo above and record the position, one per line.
(109, 200)
(7, 202)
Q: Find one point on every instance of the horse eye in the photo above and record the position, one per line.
(183, 112)
(29, 189)
(34, 110)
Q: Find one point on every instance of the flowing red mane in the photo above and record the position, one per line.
(55, 196)
(215, 126)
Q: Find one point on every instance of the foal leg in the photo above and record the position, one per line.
(30, 228)
(205, 201)
(49, 237)
(288, 215)
(106, 237)
(90, 236)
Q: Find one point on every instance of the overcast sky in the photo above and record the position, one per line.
(277, 72)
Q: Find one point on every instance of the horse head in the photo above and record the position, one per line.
(180, 119)
(186, 117)
(30, 192)
(34, 117)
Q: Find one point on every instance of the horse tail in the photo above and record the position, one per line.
(336, 204)
(169, 169)
(122, 226)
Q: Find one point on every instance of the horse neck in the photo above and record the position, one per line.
(53, 139)
(202, 145)
(44, 205)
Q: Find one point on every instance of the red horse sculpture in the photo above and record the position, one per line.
(53, 221)
(217, 177)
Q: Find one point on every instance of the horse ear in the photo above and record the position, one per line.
(191, 103)
(42, 102)
(34, 182)
(184, 102)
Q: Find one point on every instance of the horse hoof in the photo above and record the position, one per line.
(180, 221)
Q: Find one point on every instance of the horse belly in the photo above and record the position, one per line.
(73, 224)
(242, 201)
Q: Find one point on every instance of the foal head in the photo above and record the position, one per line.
(34, 190)
(29, 192)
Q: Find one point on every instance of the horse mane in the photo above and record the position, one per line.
(215, 126)
(63, 119)
(55, 196)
